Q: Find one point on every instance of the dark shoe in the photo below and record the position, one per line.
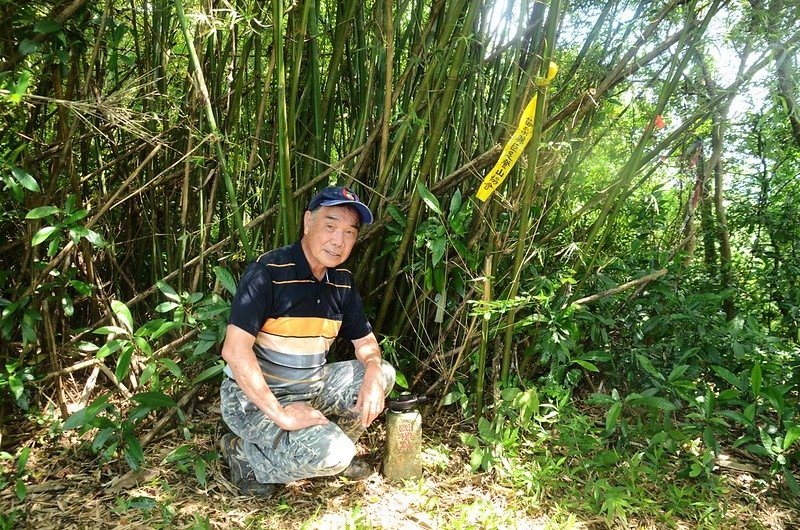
(242, 475)
(358, 469)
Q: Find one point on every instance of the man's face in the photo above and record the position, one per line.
(329, 233)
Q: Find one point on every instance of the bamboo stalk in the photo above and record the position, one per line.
(553, 16)
(288, 219)
(212, 123)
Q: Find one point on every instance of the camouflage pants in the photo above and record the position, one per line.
(279, 456)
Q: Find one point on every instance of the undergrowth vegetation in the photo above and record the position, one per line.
(616, 326)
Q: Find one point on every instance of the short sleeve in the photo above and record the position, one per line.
(253, 299)
(354, 322)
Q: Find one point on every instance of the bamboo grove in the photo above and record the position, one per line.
(150, 149)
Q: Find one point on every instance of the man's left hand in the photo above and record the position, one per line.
(371, 395)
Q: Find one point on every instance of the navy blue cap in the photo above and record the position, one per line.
(337, 196)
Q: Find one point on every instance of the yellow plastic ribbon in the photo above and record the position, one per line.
(515, 145)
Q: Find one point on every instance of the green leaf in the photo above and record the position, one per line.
(612, 416)
(82, 287)
(168, 291)
(727, 375)
(76, 216)
(143, 346)
(99, 404)
(200, 472)
(108, 348)
(677, 372)
(400, 379)
(25, 180)
(16, 385)
(108, 330)
(20, 489)
(194, 298)
(52, 247)
(133, 452)
(22, 460)
(755, 379)
(397, 215)
(47, 26)
(209, 373)
(123, 314)
(469, 439)
(791, 481)
(485, 429)
(165, 328)
(438, 246)
(178, 454)
(155, 400)
(455, 205)
(791, 435)
(94, 238)
(42, 211)
(173, 367)
(67, 305)
(508, 394)
(428, 198)
(43, 235)
(124, 363)
(450, 398)
(19, 88)
(653, 402)
(226, 279)
(77, 419)
(750, 413)
(586, 365)
(102, 437)
(647, 365)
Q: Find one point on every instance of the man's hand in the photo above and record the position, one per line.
(298, 416)
(371, 395)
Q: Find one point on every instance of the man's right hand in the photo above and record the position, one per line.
(298, 416)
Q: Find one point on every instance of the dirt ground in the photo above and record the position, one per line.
(67, 488)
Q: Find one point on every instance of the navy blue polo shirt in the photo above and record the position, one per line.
(295, 317)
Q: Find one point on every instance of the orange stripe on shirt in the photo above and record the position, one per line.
(302, 327)
(294, 345)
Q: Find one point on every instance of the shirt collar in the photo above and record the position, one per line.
(300, 261)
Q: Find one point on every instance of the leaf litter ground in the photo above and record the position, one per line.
(67, 488)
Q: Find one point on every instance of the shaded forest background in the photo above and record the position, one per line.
(637, 271)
